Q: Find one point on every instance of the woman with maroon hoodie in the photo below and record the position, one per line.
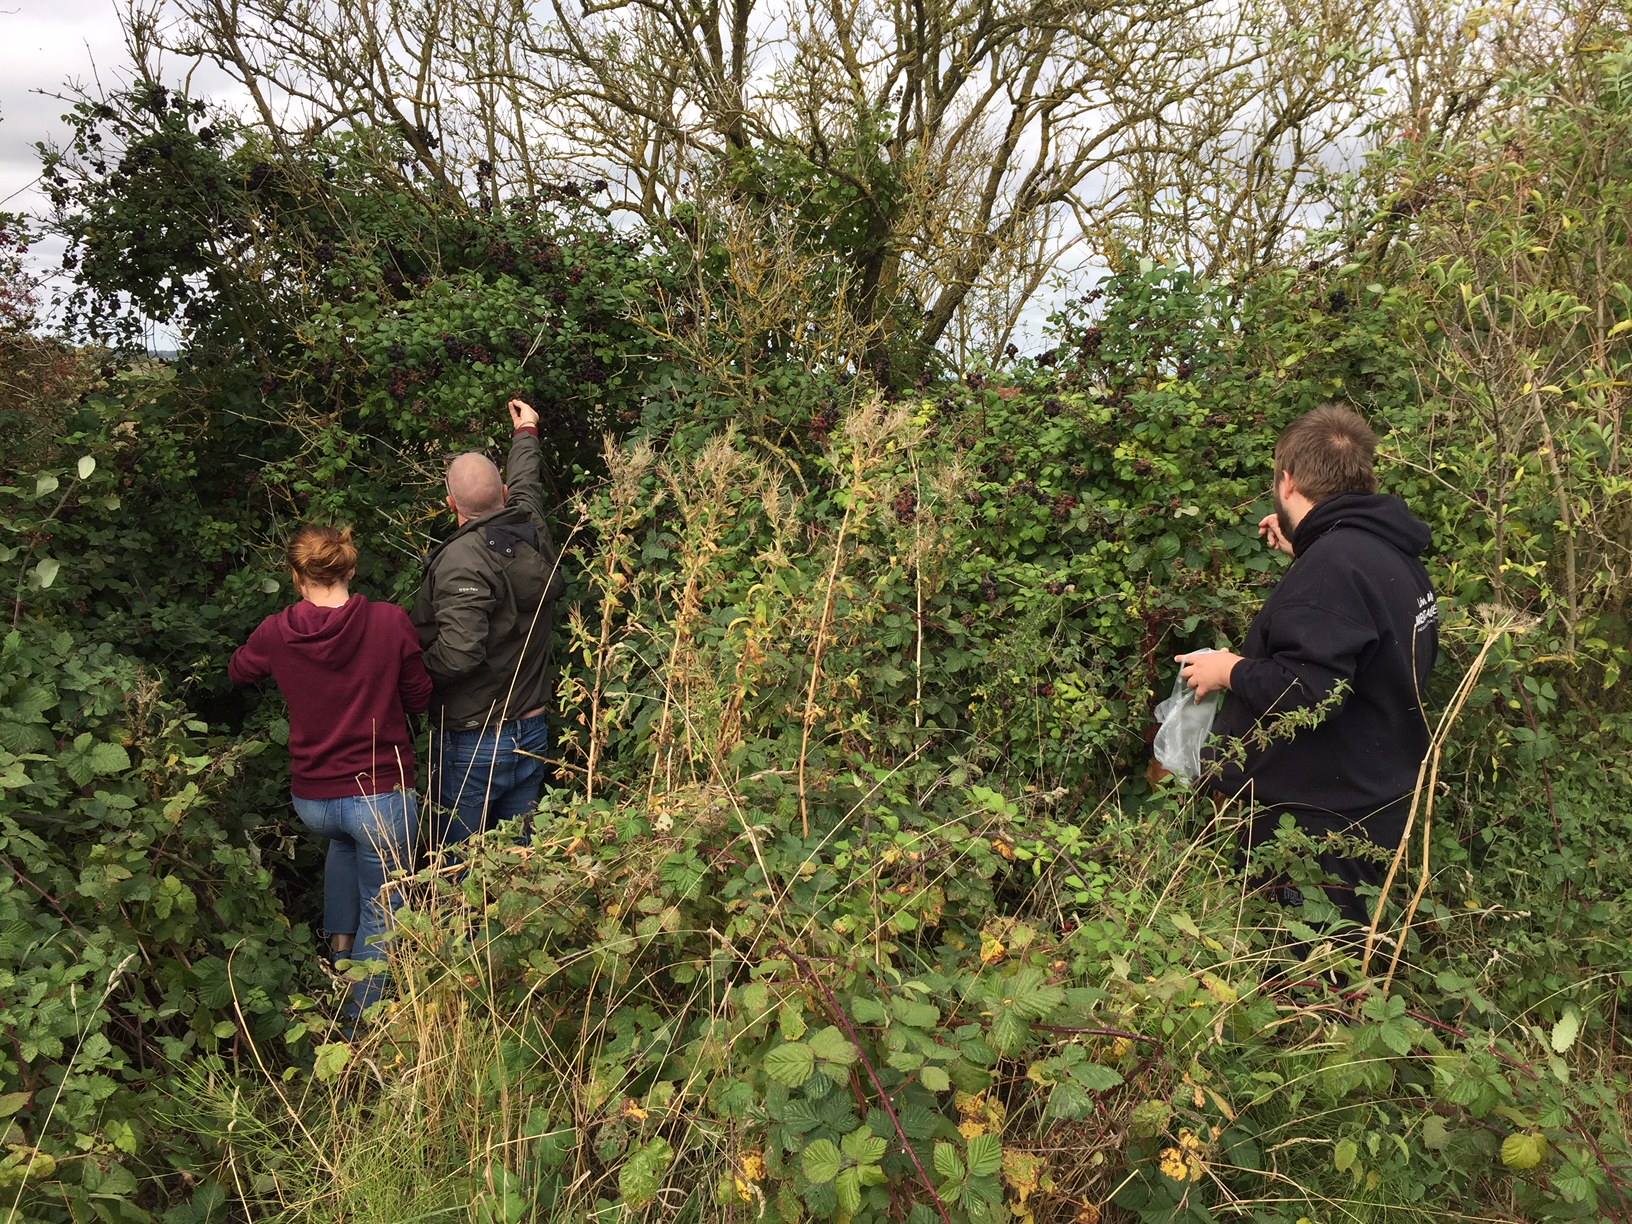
(350, 671)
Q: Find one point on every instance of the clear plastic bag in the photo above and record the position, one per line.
(1185, 724)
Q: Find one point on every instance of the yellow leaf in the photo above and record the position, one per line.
(1624, 325)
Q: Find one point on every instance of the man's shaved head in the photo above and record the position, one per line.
(474, 485)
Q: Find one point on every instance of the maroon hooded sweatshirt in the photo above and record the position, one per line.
(348, 674)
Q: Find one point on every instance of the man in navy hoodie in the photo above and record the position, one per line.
(1350, 634)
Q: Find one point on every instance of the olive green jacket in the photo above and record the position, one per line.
(486, 609)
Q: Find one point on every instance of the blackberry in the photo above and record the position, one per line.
(1053, 405)
(988, 589)
(1092, 338)
(1143, 466)
(478, 354)
(1045, 689)
(575, 275)
(1024, 488)
(1063, 505)
(906, 506)
(396, 355)
(1011, 352)
(1338, 302)
(975, 497)
(260, 174)
(1047, 357)
(976, 381)
(1185, 369)
(1217, 420)
(1056, 588)
(399, 386)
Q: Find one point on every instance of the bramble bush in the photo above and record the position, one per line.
(850, 901)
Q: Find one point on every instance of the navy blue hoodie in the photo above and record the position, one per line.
(1356, 607)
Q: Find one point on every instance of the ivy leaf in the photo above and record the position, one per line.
(331, 1060)
(821, 1162)
(1524, 1150)
(985, 1155)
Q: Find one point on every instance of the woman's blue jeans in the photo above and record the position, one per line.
(370, 837)
(487, 775)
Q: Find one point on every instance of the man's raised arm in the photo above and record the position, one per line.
(521, 473)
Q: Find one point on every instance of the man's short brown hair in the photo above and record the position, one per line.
(1328, 451)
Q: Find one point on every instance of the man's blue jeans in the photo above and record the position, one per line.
(370, 837)
(488, 775)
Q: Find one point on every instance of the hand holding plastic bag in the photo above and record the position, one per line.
(1185, 725)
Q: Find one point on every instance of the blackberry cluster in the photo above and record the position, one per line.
(1047, 357)
(1055, 588)
(988, 589)
(1217, 420)
(1143, 466)
(1024, 488)
(1064, 504)
(906, 506)
(1091, 339)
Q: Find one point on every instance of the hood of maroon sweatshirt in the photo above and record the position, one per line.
(327, 636)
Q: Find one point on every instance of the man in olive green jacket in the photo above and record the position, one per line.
(485, 617)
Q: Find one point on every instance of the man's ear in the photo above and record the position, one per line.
(504, 495)
(452, 505)
(1285, 486)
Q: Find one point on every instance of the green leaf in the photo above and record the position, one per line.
(821, 1162)
(86, 465)
(331, 1060)
(832, 1046)
(947, 1162)
(1436, 1136)
(864, 1147)
(11, 1102)
(45, 485)
(1524, 1150)
(866, 1011)
(848, 1188)
(641, 1176)
(1149, 1118)
(1566, 1030)
(45, 572)
(985, 1155)
(914, 1014)
(108, 758)
(791, 1064)
(790, 1020)
(1094, 1077)
(935, 1079)
(1345, 1155)
(224, 1029)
